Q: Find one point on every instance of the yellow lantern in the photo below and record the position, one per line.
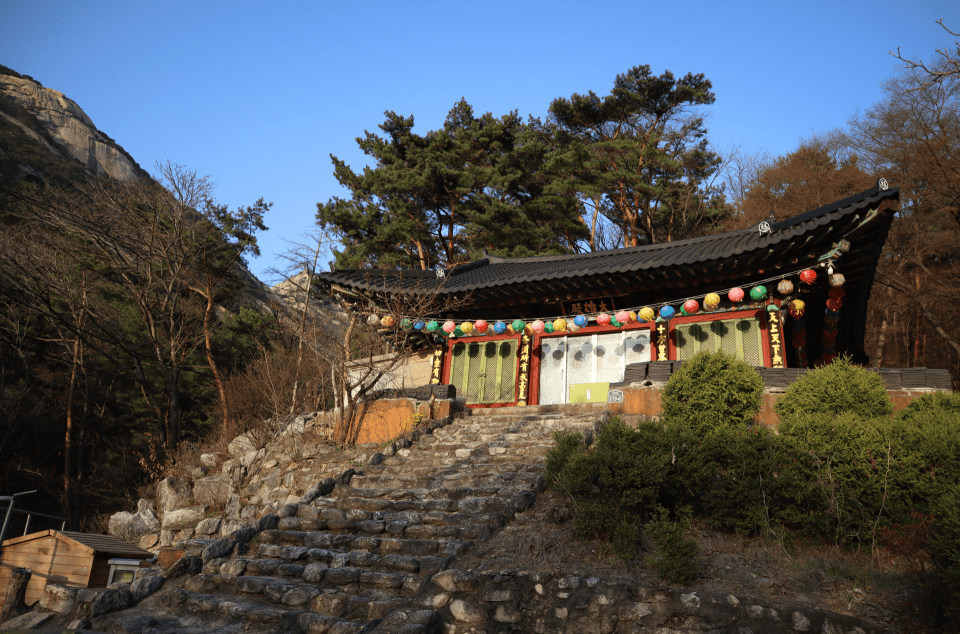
(466, 327)
(559, 325)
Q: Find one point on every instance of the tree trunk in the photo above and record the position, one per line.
(207, 319)
(13, 599)
(881, 339)
(68, 438)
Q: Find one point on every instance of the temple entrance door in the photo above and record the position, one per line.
(598, 358)
(485, 373)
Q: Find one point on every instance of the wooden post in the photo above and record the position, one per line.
(13, 600)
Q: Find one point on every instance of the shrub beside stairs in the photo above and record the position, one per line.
(355, 558)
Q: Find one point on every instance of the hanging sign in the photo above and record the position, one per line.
(587, 306)
(661, 342)
(524, 378)
(437, 365)
(776, 345)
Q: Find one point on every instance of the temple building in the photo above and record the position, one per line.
(557, 329)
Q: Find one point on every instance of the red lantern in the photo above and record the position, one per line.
(808, 276)
(481, 325)
(735, 294)
(603, 319)
(837, 293)
(691, 306)
(834, 304)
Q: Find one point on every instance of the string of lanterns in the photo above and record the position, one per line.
(690, 306)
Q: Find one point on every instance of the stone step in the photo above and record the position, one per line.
(299, 547)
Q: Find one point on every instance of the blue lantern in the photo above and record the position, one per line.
(499, 328)
(667, 312)
(418, 326)
(580, 320)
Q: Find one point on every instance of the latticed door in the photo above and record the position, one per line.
(485, 372)
(741, 338)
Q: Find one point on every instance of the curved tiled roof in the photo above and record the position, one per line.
(813, 229)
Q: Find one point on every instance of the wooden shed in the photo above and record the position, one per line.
(80, 560)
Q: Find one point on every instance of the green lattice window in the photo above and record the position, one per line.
(741, 338)
(485, 372)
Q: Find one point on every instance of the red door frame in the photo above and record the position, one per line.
(707, 317)
(448, 362)
(534, 389)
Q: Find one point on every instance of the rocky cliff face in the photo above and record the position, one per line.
(73, 134)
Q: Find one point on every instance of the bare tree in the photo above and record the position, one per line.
(946, 65)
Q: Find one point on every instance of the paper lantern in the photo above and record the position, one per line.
(834, 304)
(808, 276)
(691, 306)
(480, 325)
(510, 330)
(373, 320)
(405, 323)
(837, 293)
(548, 328)
(387, 321)
(448, 327)
(457, 332)
(603, 319)
(466, 327)
(647, 314)
(419, 325)
(797, 304)
(772, 308)
(711, 301)
(623, 317)
(433, 326)
(580, 321)
(499, 328)
(785, 287)
(560, 325)
(735, 294)
(837, 280)
(633, 316)
(667, 312)
(537, 326)
(758, 292)
(518, 325)
(573, 328)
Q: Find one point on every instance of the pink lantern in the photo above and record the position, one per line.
(735, 294)
(691, 306)
(537, 326)
(603, 319)
(480, 325)
(449, 326)
(623, 317)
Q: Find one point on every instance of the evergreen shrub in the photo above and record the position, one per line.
(834, 389)
(712, 391)
(945, 549)
(675, 556)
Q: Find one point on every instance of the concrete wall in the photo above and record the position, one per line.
(411, 371)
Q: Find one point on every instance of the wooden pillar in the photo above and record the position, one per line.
(14, 598)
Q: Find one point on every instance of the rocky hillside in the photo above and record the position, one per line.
(49, 120)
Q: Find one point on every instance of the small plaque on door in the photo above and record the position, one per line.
(614, 396)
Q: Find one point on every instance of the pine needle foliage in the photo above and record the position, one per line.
(834, 389)
(712, 391)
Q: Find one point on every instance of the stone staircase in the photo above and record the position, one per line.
(353, 559)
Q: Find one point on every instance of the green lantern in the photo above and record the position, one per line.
(405, 323)
(548, 328)
(758, 292)
(457, 332)
(518, 325)
(433, 326)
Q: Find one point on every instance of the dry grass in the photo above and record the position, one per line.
(891, 587)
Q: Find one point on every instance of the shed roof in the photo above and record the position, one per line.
(90, 542)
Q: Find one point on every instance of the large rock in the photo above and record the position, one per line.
(184, 518)
(174, 493)
(71, 128)
(145, 586)
(132, 526)
(241, 445)
(59, 599)
(214, 490)
(110, 600)
(28, 621)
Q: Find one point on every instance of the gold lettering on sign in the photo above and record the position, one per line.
(773, 329)
(524, 370)
(437, 366)
(661, 343)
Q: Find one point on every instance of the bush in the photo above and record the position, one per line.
(712, 391)
(674, 557)
(834, 389)
(945, 549)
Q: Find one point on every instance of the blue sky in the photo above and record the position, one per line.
(258, 96)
